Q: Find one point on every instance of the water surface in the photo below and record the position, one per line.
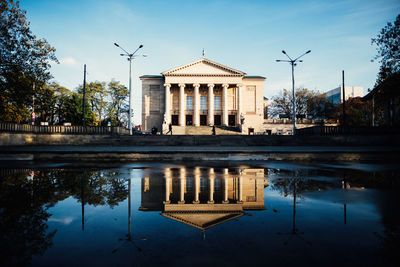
(153, 214)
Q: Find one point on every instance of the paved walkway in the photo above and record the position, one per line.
(197, 149)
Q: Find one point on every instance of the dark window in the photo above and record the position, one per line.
(217, 119)
(174, 119)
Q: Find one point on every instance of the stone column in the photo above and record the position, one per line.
(225, 104)
(211, 179)
(182, 176)
(196, 185)
(167, 176)
(210, 104)
(196, 113)
(225, 201)
(167, 114)
(181, 104)
(239, 103)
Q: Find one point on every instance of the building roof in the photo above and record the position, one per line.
(203, 67)
(254, 77)
(151, 77)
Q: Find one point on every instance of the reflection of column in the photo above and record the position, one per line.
(212, 177)
(210, 104)
(240, 189)
(196, 113)
(196, 185)
(181, 104)
(182, 186)
(225, 104)
(167, 103)
(167, 174)
(225, 201)
(239, 103)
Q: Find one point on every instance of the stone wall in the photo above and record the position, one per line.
(20, 139)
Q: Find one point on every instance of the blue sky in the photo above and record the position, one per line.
(245, 35)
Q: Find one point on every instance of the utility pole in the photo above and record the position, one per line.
(84, 95)
(293, 99)
(344, 100)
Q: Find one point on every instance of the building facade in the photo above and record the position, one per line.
(336, 95)
(202, 93)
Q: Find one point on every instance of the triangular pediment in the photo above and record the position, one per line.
(202, 220)
(203, 67)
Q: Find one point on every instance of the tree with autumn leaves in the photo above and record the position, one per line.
(25, 62)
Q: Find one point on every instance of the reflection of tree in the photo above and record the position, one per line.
(299, 185)
(100, 188)
(24, 205)
(23, 228)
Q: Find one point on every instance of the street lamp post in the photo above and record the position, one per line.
(293, 63)
(130, 57)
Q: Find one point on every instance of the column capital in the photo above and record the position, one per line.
(181, 85)
(167, 85)
(196, 85)
(225, 85)
(210, 85)
(239, 85)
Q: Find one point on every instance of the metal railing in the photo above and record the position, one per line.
(58, 129)
(340, 130)
(300, 121)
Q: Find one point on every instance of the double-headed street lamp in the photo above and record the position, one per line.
(130, 57)
(293, 63)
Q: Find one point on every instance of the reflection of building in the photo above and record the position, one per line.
(202, 93)
(204, 197)
(336, 95)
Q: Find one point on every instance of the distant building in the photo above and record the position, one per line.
(336, 97)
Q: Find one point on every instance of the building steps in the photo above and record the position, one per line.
(207, 130)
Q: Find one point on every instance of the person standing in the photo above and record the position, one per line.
(170, 128)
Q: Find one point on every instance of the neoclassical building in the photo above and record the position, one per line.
(200, 94)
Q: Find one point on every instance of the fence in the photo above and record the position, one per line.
(340, 130)
(26, 128)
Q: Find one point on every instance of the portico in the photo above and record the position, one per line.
(202, 93)
(201, 104)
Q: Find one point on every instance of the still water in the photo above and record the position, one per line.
(253, 213)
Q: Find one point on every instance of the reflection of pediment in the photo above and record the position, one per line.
(203, 67)
(202, 220)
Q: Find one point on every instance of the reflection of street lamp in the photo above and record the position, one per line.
(130, 58)
(292, 62)
(129, 238)
(295, 232)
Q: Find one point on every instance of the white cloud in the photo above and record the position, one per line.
(65, 220)
(68, 61)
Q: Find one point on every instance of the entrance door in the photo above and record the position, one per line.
(189, 120)
(232, 120)
(217, 119)
(174, 119)
(203, 120)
